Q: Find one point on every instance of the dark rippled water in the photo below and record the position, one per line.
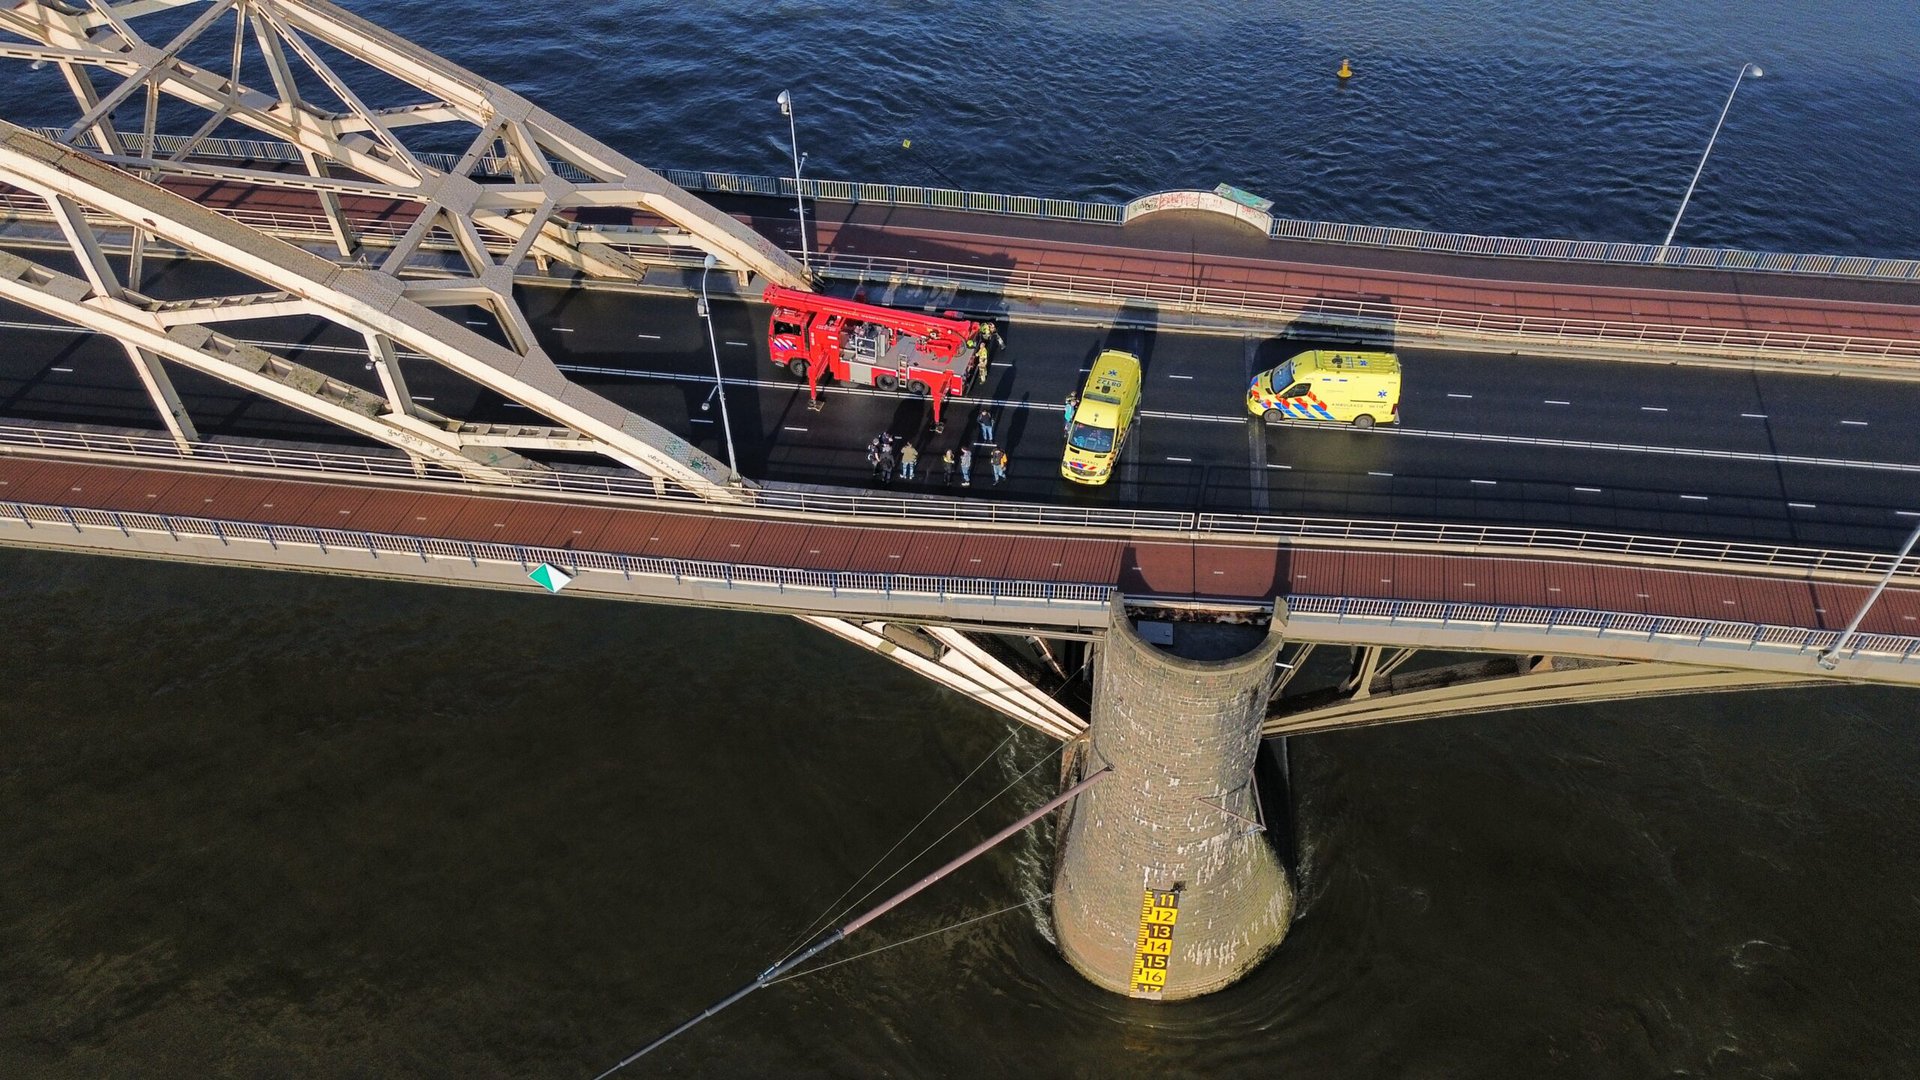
(262, 825)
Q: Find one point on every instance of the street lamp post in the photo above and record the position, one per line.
(799, 204)
(719, 384)
(1831, 658)
(1745, 70)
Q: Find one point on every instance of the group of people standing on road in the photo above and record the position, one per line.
(886, 450)
(888, 453)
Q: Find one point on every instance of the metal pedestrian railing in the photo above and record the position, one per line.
(939, 512)
(1582, 623)
(726, 576)
(1323, 232)
(1225, 301)
(1242, 302)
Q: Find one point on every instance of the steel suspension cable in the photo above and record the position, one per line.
(790, 976)
(820, 921)
(833, 936)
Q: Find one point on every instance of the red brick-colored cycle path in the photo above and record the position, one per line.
(1193, 249)
(1146, 566)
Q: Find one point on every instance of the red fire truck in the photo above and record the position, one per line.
(817, 337)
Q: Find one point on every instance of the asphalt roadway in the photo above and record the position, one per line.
(1486, 438)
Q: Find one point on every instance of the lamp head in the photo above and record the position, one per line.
(711, 261)
(785, 101)
(1753, 71)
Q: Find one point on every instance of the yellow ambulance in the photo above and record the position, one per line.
(1358, 388)
(1109, 405)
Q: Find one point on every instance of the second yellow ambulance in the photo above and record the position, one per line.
(1358, 388)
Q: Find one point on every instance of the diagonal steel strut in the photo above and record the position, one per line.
(364, 301)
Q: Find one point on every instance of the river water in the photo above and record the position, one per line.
(269, 825)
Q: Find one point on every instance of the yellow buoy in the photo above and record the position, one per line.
(1346, 70)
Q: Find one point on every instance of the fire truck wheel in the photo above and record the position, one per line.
(887, 382)
(798, 367)
(918, 388)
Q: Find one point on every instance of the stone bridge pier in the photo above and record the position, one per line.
(1166, 887)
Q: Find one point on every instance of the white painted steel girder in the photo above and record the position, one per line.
(964, 668)
(372, 303)
(347, 134)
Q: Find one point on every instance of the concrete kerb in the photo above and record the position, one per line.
(958, 520)
(1041, 307)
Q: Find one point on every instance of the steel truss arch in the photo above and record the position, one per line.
(351, 146)
(82, 192)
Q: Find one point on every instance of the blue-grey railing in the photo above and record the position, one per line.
(936, 511)
(705, 573)
(1325, 232)
(1564, 622)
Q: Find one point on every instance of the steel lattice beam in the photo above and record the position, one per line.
(372, 304)
(1531, 686)
(349, 145)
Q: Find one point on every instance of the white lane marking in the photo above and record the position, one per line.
(649, 337)
(1273, 466)
(421, 397)
(1395, 430)
(1182, 460)
(1489, 483)
(790, 427)
(1590, 491)
(1653, 408)
(1370, 472)
(1465, 396)
(1631, 448)
(700, 420)
(68, 370)
(1180, 377)
(1695, 498)
(1854, 423)
(471, 322)
(742, 344)
(1906, 513)
(1801, 506)
(1551, 401)
(563, 329)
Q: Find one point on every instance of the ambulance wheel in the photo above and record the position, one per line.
(887, 382)
(797, 367)
(1273, 416)
(1363, 421)
(918, 388)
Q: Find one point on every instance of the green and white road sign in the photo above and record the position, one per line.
(550, 578)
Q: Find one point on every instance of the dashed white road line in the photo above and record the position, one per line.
(1551, 401)
(1463, 396)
